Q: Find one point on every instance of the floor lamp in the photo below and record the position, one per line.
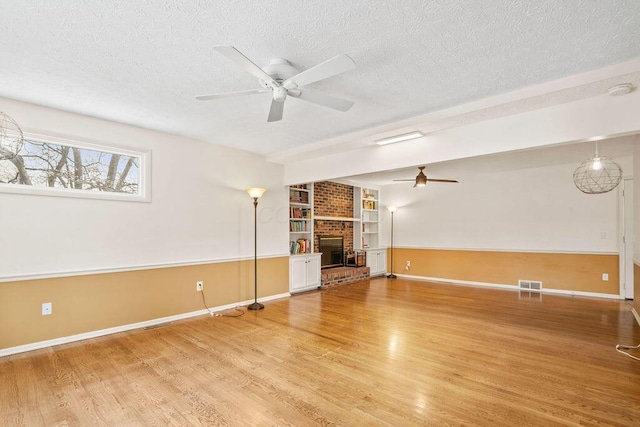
(391, 209)
(255, 193)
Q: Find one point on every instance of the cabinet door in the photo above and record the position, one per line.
(372, 262)
(382, 262)
(313, 272)
(297, 272)
(376, 261)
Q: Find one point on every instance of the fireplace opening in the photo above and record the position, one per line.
(332, 249)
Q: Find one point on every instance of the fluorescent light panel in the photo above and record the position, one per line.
(400, 138)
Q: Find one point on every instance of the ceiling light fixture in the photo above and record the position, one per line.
(11, 137)
(400, 138)
(597, 175)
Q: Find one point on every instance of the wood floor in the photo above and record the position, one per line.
(380, 352)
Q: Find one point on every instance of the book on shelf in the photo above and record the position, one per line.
(368, 204)
(298, 196)
(297, 226)
(301, 213)
(300, 246)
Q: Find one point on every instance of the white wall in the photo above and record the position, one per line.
(198, 210)
(533, 209)
(636, 204)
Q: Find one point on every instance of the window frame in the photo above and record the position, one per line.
(144, 184)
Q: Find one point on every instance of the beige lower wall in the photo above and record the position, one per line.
(93, 302)
(636, 287)
(572, 272)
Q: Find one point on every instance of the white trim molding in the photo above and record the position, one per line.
(57, 274)
(102, 332)
(509, 287)
(526, 251)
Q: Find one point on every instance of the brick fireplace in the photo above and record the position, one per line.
(334, 200)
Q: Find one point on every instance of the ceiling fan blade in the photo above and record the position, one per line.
(405, 180)
(329, 68)
(230, 94)
(326, 101)
(243, 62)
(275, 113)
(441, 180)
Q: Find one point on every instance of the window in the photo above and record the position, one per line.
(55, 167)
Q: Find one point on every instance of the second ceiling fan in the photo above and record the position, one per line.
(283, 80)
(421, 179)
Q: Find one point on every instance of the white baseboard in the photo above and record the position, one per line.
(509, 287)
(459, 282)
(93, 334)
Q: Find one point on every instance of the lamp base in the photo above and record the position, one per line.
(255, 306)
(391, 276)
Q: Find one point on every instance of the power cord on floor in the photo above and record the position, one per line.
(620, 348)
(241, 313)
(204, 301)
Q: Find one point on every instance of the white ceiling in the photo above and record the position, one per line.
(464, 170)
(142, 63)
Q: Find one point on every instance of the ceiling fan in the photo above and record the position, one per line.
(282, 80)
(421, 179)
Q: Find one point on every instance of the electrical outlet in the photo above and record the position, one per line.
(407, 266)
(46, 308)
(199, 285)
(605, 277)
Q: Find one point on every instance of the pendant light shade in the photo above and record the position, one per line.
(11, 138)
(598, 174)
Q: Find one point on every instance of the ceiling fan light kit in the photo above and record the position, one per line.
(421, 179)
(282, 80)
(400, 138)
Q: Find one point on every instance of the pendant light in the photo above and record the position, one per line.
(597, 175)
(11, 138)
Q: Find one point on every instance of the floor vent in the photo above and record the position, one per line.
(530, 285)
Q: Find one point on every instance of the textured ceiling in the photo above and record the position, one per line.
(143, 62)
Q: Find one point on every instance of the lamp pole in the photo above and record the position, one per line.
(255, 193)
(391, 209)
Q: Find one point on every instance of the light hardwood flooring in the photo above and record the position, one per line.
(379, 352)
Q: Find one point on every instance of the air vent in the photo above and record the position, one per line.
(530, 285)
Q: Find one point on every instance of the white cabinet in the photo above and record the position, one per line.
(304, 272)
(377, 262)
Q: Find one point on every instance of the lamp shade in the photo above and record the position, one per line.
(256, 193)
(392, 208)
(597, 174)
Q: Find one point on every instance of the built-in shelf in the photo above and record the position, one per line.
(301, 219)
(366, 209)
